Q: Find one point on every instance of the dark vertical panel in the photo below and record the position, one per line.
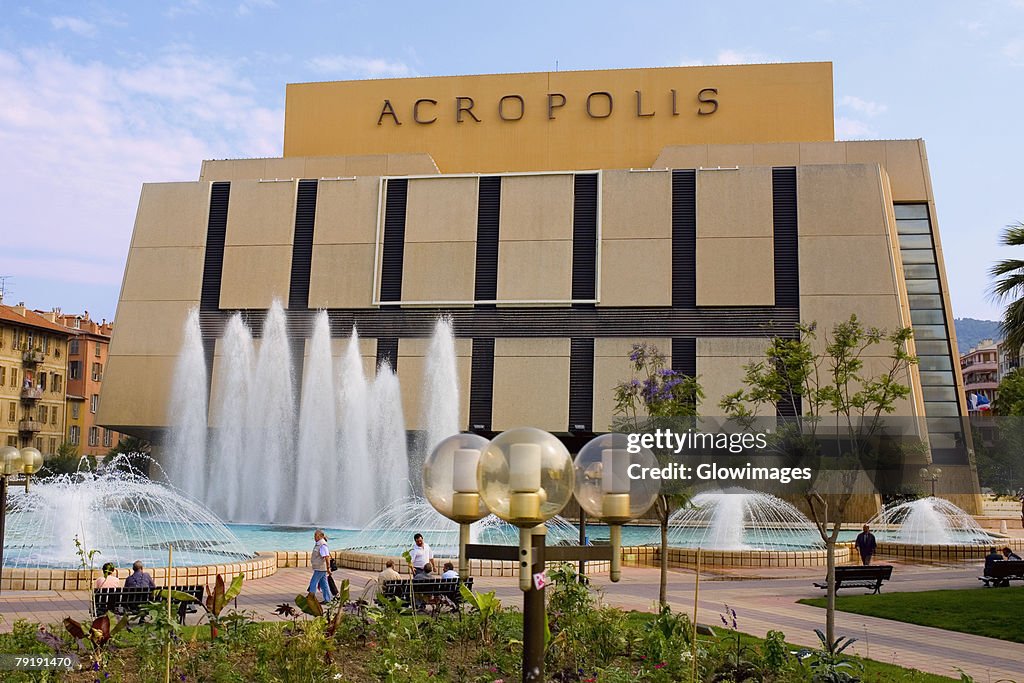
(213, 264)
(787, 264)
(684, 355)
(684, 239)
(387, 350)
(302, 244)
(298, 349)
(481, 385)
(487, 221)
(584, 237)
(581, 385)
(394, 240)
(216, 229)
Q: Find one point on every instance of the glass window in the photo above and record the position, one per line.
(12, 413)
(916, 241)
(912, 256)
(12, 440)
(3, 375)
(927, 317)
(929, 332)
(94, 436)
(941, 409)
(931, 348)
(923, 301)
(96, 347)
(74, 369)
(933, 379)
(42, 381)
(58, 383)
(934, 363)
(75, 435)
(911, 211)
(920, 272)
(73, 347)
(53, 445)
(53, 415)
(107, 438)
(939, 393)
(94, 403)
(14, 377)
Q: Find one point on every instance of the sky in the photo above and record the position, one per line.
(97, 98)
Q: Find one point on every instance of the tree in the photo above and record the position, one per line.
(830, 382)
(656, 396)
(1010, 394)
(1009, 284)
(134, 452)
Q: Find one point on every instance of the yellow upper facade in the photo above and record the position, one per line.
(567, 120)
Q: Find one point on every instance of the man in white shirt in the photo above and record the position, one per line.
(449, 571)
(420, 554)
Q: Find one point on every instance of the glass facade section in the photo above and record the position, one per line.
(931, 333)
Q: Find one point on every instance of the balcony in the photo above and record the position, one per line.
(33, 357)
(30, 426)
(31, 394)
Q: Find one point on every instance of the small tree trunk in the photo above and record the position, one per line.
(663, 578)
(830, 580)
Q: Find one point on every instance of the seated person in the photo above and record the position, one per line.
(109, 578)
(1009, 554)
(388, 573)
(427, 574)
(139, 578)
(449, 571)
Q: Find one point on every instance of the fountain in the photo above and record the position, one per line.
(738, 519)
(392, 529)
(123, 515)
(334, 456)
(928, 521)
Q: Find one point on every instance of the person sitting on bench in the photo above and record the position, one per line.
(109, 578)
(449, 571)
(139, 578)
(1009, 554)
(427, 574)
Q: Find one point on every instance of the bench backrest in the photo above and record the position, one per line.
(400, 587)
(105, 598)
(1004, 568)
(869, 573)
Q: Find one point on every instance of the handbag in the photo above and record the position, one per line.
(333, 586)
(334, 565)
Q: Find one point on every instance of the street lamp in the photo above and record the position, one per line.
(13, 463)
(526, 478)
(605, 489)
(450, 484)
(931, 474)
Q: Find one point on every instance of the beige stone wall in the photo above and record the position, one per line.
(535, 238)
(735, 247)
(636, 239)
(720, 362)
(344, 243)
(612, 366)
(318, 167)
(531, 384)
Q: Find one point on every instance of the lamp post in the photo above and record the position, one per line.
(13, 463)
(526, 476)
(605, 489)
(450, 484)
(931, 474)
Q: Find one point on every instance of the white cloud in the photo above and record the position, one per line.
(79, 140)
(730, 56)
(247, 6)
(344, 65)
(870, 109)
(851, 129)
(975, 29)
(1014, 51)
(74, 24)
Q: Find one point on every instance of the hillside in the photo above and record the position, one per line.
(970, 331)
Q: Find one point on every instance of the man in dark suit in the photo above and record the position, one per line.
(866, 545)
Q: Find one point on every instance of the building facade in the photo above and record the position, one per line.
(33, 353)
(557, 218)
(88, 350)
(980, 368)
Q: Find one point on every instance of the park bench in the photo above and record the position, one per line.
(856, 576)
(432, 592)
(128, 601)
(1002, 572)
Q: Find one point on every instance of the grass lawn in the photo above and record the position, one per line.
(991, 612)
(874, 671)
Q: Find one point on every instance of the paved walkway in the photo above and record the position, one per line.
(762, 603)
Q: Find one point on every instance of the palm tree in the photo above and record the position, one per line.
(1009, 284)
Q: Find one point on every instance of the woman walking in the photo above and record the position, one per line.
(320, 562)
